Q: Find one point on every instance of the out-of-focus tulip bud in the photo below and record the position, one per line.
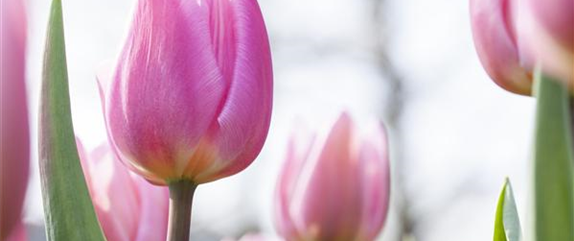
(336, 187)
(128, 207)
(191, 94)
(546, 33)
(18, 233)
(493, 28)
(14, 145)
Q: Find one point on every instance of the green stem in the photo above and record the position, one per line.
(553, 164)
(181, 198)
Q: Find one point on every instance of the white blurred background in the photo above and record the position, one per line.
(454, 134)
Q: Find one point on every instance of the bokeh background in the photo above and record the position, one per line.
(454, 134)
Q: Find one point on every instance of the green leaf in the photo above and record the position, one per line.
(507, 223)
(68, 208)
(553, 165)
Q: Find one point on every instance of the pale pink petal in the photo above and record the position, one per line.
(154, 209)
(494, 33)
(167, 87)
(18, 233)
(332, 184)
(298, 151)
(14, 129)
(557, 16)
(374, 164)
(114, 195)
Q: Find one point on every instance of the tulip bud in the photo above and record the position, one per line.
(493, 28)
(191, 95)
(335, 188)
(128, 207)
(547, 33)
(14, 143)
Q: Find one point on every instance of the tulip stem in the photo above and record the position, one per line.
(553, 166)
(180, 200)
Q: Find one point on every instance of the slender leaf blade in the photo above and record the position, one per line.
(68, 208)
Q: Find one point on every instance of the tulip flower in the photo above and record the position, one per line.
(191, 95)
(548, 35)
(512, 37)
(335, 188)
(495, 41)
(128, 207)
(190, 98)
(14, 145)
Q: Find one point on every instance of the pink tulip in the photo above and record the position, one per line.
(495, 41)
(18, 233)
(191, 94)
(335, 188)
(14, 145)
(128, 207)
(512, 37)
(547, 32)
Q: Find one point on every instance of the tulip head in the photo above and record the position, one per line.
(495, 40)
(191, 95)
(547, 32)
(336, 187)
(14, 142)
(128, 207)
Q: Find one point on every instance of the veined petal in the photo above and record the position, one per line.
(166, 88)
(238, 133)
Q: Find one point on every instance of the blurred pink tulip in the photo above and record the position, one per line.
(14, 146)
(547, 31)
(512, 37)
(191, 94)
(128, 207)
(335, 188)
(18, 233)
(495, 41)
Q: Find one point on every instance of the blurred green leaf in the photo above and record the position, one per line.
(553, 164)
(68, 208)
(507, 223)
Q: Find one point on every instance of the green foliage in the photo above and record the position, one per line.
(68, 208)
(507, 223)
(553, 165)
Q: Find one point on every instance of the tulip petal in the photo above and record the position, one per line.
(334, 177)
(297, 152)
(166, 89)
(114, 196)
(494, 39)
(14, 130)
(243, 121)
(374, 164)
(154, 208)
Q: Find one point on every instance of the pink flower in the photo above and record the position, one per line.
(335, 188)
(513, 37)
(191, 94)
(495, 41)
(15, 146)
(547, 32)
(128, 207)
